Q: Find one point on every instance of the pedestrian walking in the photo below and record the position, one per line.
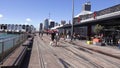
(74, 36)
(52, 37)
(119, 43)
(57, 39)
(41, 35)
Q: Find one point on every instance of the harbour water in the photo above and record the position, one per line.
(7, 44)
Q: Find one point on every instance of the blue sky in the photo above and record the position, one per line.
(35, 11)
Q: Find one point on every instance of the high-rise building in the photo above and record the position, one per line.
(86, 7)
(63, 22)
(46, 24)
(52, 24)
(56, 24)
(41, 27)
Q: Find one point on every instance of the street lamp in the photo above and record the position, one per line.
(72, 29)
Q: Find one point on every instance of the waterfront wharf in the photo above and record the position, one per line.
(75, 54)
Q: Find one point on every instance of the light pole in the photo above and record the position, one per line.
(72, 29)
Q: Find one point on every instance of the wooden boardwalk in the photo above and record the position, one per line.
(67, 55)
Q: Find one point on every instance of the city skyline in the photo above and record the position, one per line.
(35, 11)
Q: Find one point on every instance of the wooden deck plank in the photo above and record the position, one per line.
(70, 56)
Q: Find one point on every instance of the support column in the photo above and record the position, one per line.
(89, 31)
(0, 26)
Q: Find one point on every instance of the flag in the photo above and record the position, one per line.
(94, 15)
(78, 19)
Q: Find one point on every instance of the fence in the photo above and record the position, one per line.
(10, 44)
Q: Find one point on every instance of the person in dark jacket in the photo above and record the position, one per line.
(119, 43)
(52, 37)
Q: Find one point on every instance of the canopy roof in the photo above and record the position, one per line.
(56, 27)
(83, 13)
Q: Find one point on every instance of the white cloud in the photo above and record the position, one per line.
(1, 16)
(28, 20)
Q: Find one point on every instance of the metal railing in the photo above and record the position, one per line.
(10, 44)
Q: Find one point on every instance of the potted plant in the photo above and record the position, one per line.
(97, 30)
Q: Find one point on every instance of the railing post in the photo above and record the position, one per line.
(2, 57)
(22, 37)
(19, 39)
(13, 42)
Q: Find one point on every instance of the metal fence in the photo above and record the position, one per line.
(10, 44)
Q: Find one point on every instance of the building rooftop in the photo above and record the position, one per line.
(84, 13)
(51, 20)
(86, 9)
